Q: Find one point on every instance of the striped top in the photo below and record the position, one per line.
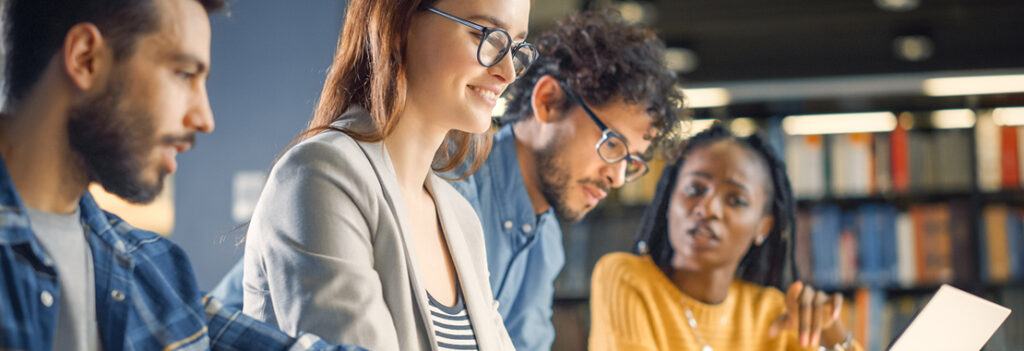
(451, 324)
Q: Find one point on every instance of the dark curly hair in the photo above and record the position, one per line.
(34, 31)
(602, 58)
(771, 263)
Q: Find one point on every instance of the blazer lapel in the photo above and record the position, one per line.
(381, 162)
(479, 307)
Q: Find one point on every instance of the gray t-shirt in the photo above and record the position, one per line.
(64, 239)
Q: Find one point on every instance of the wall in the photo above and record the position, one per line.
(269, 59)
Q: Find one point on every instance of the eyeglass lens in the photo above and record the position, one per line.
(495, 44)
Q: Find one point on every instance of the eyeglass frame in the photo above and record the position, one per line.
(512, 47)
(606, 133)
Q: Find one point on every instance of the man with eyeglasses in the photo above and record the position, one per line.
(581, 119)
(579, 122)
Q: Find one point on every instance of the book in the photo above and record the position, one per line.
(951, 162)
(851, 164)
(883, 164)
(1010, 167)
(848, 248)
(965, 250)
(873, 273)
(934, 245)
(1020, 154)
(804, 249)
(825, 240)
(900, 160)
(995, 251)
(1015, 244)
(988, 148)
(805, 164)
(907, 249)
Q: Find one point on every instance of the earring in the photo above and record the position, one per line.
(759, 240)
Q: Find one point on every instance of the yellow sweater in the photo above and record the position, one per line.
(634, 306)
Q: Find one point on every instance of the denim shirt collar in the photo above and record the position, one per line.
(13, 213)
(519, 208)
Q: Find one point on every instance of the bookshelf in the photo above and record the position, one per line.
(953, 196)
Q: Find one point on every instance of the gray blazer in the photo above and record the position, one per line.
(329, 251)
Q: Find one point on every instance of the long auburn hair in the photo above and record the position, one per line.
(369, 70)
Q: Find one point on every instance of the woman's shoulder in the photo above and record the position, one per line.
(329, 160)
(329, 148)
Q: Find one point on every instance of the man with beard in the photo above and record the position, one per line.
(579, 122)
(105, 91)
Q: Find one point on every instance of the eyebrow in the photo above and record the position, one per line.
(738, 185)
(729, 181)
(495, 22)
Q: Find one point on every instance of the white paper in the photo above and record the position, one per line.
(953, 320)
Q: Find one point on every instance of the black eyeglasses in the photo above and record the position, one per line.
(495, 43)
(612, 147)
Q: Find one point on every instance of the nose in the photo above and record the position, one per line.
(709, 206)
(615, 173)
(200, 116)
(504, 70)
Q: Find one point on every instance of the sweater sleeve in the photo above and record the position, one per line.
(620, 319)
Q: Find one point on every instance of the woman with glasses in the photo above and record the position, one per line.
(355, 237)
(713, 254)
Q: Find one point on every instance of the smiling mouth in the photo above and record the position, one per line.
(488, 95)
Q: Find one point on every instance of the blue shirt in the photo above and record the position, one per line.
(146, 293)
(524, 250)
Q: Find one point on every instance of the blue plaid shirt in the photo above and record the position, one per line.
(146, 293)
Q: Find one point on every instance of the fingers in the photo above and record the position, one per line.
(820, 315)
(778, 325)
(788, 318)
(837, 306)
(806, 315)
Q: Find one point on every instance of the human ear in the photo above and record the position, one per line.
(84, 55)
(546, 98)
(763, 229)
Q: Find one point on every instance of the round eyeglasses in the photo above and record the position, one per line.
(495, 43)
(612, 147)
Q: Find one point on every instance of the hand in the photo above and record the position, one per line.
(809, 311)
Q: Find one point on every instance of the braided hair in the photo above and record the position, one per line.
(768, 264)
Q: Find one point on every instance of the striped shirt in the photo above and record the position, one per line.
(451, 324)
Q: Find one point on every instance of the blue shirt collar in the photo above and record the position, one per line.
(504, 157)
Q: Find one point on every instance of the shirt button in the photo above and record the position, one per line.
(46, 298)
(508, 224)
(527, 228)
(117, 295)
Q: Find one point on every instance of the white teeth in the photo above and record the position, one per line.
(486, 93)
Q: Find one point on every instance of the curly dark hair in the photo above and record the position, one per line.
(771, 263)
(602, 58)
(34, 31)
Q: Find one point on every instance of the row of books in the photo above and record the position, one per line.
(877, 319)
(906, 161)
(880, 245)
(902, 161)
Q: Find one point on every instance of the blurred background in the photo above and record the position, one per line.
(899, 121)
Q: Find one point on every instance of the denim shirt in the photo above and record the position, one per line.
(146, 293)
(524, 250)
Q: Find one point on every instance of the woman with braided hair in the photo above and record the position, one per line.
(711, 260)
